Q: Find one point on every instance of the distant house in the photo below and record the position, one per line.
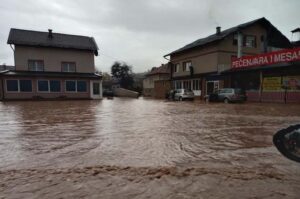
(6, 67)
(51, 66)
(157, 82)
(199, 65)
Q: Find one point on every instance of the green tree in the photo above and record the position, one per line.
(123, 72)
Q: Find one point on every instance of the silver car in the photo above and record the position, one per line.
(227, 95)
(183, 94)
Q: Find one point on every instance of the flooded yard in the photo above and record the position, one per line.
(143, 148)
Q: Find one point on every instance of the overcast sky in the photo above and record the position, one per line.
(139, 32)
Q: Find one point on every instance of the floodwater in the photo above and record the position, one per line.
(143, 148)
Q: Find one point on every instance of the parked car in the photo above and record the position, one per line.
(183, 94)
(227, 95)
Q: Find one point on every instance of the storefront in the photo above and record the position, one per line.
(270, 77)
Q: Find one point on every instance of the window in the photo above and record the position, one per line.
(43, 86)
(19, 85)
(96, 88)
(54, 86)
(187, 84)
(176, 68)
(187, 65)
(12, 85)
(178, 85)
(68, 67)
(36, 65)
(76, 86)
(81, 86)
(48, 86)
(71, 86)
(250, 41)
(196, 84)
(235, 39)
(25, 85)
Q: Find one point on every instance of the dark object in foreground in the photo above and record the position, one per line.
(287, 141)
(227, 95)
(108, 93)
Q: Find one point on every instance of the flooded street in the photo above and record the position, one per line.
(142, 148)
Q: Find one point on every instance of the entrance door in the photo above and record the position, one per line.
(212, 86)
(96, 89)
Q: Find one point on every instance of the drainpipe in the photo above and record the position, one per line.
(261, 79)
(171, 71)
(2, 92)
(240, 44)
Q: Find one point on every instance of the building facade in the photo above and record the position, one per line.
(199, 65)
(268, 77)
(51, 66)
(157, 82)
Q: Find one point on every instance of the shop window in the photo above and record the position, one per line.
(187, 65)
(68, 67)
(81, 86)
(12, 85)
(25, 85)
(35, 65)
(70, 86)
(43, 86)
(54, 86)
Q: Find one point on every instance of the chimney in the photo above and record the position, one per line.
(50, 35)
(218, 30)
(296, 35)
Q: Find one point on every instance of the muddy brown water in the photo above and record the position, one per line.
(143, 148)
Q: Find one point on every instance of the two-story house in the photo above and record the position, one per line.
(199, 65)
(51, 66)
(157, 82)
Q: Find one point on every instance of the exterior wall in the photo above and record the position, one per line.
(254, 30)
(53, 58)
(203, 60)
(149, 83)
(161, 88)
(216, 57)
(45, 95)
(226, 49)
(1, 89)
(274, 96)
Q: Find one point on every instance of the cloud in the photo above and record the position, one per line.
(139, 32)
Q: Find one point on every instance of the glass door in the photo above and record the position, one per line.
(96, 89)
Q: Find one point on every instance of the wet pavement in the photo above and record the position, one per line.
(143, 148)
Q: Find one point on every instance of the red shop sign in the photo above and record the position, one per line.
(287, 55)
